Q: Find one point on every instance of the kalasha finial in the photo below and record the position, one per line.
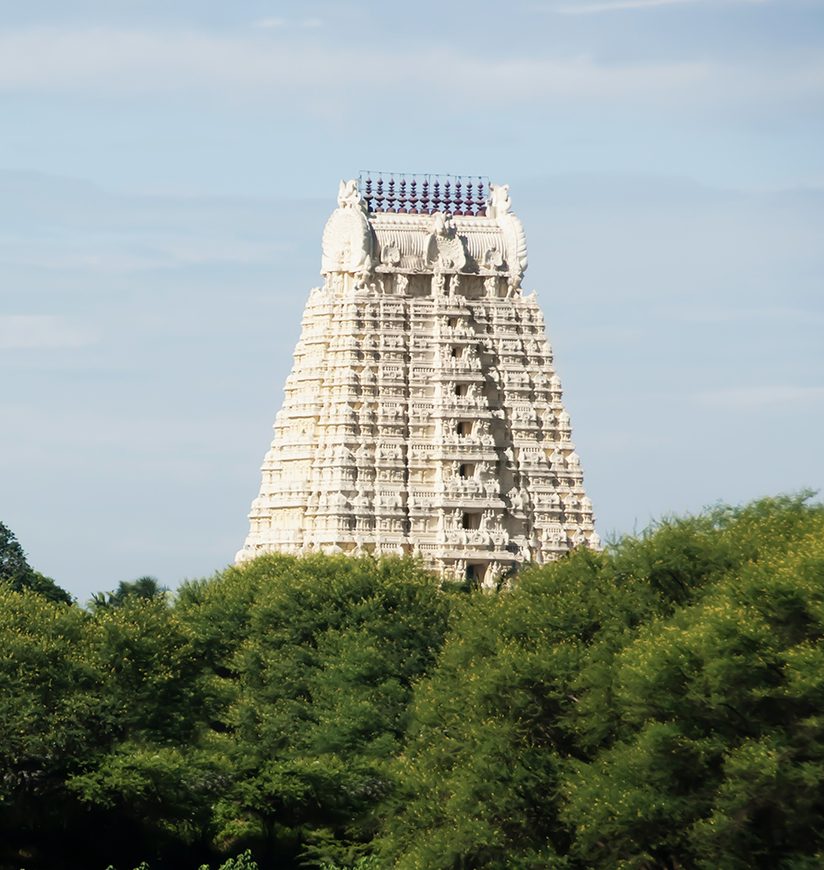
(367, 189)
(392, 202)
(404, 193)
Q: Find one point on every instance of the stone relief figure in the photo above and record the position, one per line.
(390, 255)
(499, 201)
(492, 259)
(516, 500)
(349, 196)
(347, 237)
(444, 247)
(500, 208)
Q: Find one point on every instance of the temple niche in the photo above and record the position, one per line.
(423, 414)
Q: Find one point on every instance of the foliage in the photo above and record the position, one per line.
(328, 651)
(18, 574)
(659, 704)
(99, 727)
(146, 588)
(49, 712)
(13, 562)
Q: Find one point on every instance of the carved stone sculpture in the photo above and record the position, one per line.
(423, 414)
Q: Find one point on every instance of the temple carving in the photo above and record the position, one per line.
(423, 414)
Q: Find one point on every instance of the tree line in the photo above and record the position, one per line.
(657, 704)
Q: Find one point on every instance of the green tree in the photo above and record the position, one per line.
(104, 751)
(146, 588)
(16, 571)
(657, 705)
(50, 720)
(718, 759)
(327, 652)
(155, 778)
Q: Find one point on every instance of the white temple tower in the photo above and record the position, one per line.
(423, 414)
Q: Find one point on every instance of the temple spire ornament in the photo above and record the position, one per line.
(423, 414)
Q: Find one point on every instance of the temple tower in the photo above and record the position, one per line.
(423, 413)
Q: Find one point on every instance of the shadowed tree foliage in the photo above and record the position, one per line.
(145, 588)
(100, 734)
(659, 704)
(315, 659)
(16, 571)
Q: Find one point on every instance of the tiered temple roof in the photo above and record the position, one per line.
(423, 413)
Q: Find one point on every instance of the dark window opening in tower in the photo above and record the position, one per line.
(471, 520)
(475, 573)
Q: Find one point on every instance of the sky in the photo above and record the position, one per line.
(166, 170)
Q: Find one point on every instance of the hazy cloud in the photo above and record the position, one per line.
(305, 71)
(33, 331)
(142, 61)
(625, 5)
(270, 23)
(275, 23)
(763, 396)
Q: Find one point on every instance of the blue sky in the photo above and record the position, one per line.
(166, 169)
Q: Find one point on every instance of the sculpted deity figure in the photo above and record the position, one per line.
(444, 248)
(491, 286)
(348, 195)
(347, 239)
(499, 201)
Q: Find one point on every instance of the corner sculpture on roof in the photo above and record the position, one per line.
(423, 414)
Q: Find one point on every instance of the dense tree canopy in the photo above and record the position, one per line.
(16, 571)
(658, 704)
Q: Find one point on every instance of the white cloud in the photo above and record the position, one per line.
(624, 5)
(100, 60)
(39, 331)
(153, 253)
(270, 23)
(619, 5)
(309, 72)
(276, 23)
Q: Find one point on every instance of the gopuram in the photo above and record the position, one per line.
(423, 414)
